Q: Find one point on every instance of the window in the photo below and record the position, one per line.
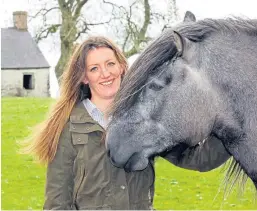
(28, 81)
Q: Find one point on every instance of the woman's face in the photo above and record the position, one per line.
(103, 73)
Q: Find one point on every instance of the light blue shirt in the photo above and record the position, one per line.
(95, 113)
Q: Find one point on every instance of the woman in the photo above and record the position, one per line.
(79, 172)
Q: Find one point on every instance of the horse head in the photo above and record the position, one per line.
(143, 124)
(196, 80)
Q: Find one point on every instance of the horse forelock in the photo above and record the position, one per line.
(157, 53)
(198, 31)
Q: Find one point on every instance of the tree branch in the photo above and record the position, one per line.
(70, 4)
(86, 28)
(49, 30)
(125, 41)
(80, 4)
(146, 21)
(114, 5)
(43, 12)
(139, 36)
(62, 4)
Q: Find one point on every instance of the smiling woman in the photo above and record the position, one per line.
(103, 74)
(80, 174)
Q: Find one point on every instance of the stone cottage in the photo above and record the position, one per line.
(24, 69)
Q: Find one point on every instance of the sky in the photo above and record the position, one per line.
(219, 8)
(201, 9)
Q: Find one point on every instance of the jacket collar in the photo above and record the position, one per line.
(79, 114)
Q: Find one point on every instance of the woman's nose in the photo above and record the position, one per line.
(105, 72)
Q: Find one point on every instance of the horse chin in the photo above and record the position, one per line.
(136, 162)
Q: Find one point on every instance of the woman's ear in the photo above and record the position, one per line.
(85, 81)
(121, 70)
(122, 73)
(124, 69)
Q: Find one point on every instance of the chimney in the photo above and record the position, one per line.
(20, 20)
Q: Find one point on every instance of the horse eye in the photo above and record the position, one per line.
(155, 87)
(168, 80)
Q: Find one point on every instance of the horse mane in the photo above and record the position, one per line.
(198, 31)
(163, 49)
(158, 52)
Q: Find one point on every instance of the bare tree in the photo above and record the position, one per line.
(134, 34)
(68, 18)
(134, 23)
(172, 15)
(71, 26)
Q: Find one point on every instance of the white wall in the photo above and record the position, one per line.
(132, 59)
(54, 86)
(12, 82)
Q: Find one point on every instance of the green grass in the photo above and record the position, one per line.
(23, 181)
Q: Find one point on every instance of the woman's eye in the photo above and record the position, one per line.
(155, 87)
(93, 69)
(110, 64)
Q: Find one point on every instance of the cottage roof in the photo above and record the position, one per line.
(20, 51)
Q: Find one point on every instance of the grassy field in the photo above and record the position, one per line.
(177, 189)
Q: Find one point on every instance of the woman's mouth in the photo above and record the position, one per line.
(107, 83)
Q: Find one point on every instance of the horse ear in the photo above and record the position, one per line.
(179, 42)
(189, 17)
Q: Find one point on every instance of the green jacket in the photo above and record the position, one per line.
(82, 177)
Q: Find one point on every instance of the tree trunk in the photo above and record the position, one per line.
(68, 32)
(71, 17)
(65, 55)
(141, 35)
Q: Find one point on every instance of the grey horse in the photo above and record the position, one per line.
(196, 80)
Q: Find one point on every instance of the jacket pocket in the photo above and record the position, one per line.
(79, 138)
(85, 127)
(80, 142)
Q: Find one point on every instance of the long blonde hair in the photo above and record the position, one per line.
(43, 143)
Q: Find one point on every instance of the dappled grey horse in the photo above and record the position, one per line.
(196, 80)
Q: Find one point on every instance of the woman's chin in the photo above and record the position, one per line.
(108, 94)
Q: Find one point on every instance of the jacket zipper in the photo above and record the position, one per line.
(82, 172)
